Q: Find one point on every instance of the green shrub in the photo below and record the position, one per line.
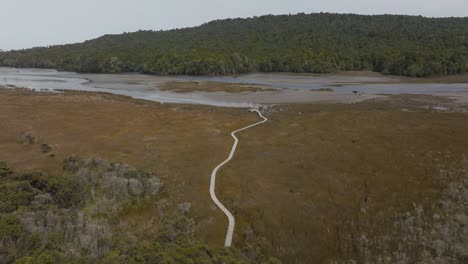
(10, 227)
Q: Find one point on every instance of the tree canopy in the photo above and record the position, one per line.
(311, 43)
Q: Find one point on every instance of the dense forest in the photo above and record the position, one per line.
(311, 43)
(73, 218)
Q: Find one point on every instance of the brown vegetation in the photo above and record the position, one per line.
(181, 142)
(318, 177)
(188, 87)
(308, 186)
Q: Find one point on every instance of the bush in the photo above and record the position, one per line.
(60, 222)
(10, 227)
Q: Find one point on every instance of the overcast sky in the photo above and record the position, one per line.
(29, 23)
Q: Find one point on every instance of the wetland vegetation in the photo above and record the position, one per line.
(381, 179)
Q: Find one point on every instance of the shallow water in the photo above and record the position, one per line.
(143, 86)
(37, 79)
(341, 83)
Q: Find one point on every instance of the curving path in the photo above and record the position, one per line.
(232, 222)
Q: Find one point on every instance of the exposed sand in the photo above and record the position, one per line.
(227, 98)
(244, 90)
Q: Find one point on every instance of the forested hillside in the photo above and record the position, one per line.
(316, 43)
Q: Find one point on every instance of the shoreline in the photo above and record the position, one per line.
(225, 91)
(443, 79)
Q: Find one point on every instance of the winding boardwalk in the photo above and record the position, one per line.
(232, 221)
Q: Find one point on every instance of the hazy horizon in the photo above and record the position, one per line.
(28, 23)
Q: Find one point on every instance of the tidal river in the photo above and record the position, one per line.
(290, 88)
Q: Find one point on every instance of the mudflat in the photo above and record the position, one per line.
(248, 90)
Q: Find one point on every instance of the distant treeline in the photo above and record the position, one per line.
(312, 43)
